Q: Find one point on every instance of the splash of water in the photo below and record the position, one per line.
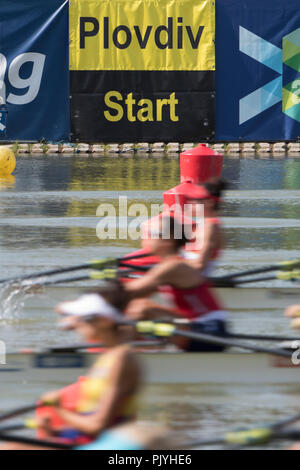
(13, 298)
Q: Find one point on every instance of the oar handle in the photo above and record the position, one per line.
(168, 329)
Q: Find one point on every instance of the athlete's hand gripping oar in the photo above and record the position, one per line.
(282, 266)
(167, 330)
(93, 264)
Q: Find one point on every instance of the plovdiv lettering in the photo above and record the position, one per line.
(138, 65)
(170, 36)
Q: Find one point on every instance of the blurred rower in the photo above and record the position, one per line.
(183, 286)
(107, 396)
(293, 311)
(209, 244)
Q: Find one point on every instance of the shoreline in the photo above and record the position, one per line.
(260, 150)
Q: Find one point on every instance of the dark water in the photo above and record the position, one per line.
(48, 220)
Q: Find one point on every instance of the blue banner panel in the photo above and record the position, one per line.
(257, 70)
(34, 70)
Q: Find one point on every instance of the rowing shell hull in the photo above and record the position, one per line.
(160, 368)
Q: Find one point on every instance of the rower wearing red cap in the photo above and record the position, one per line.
(209, 244)
(188, 293)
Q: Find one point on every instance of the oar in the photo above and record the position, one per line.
(252, 436)
(247, 437)
(262, 337)
(23, 410)
(111, 273)
(108, 273)
(26, 424)
(105, 274)
(167, 330)
(286, 421)
(34, 442)
(79, 347)
(282, 266)
(94, 264)
(280, 275)
(151, 343)
(136, 268)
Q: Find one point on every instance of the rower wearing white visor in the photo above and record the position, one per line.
(107, 396)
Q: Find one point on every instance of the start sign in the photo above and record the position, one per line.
(142, 35)
(142, 70)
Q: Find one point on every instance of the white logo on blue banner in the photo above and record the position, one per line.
(34, 70)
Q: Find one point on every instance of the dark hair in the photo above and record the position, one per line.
(216, 188)
(114, 293)
(177, 230)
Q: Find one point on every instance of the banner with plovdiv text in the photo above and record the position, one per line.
(142, 70)
(34, 70)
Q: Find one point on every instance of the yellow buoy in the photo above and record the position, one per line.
(7, 161)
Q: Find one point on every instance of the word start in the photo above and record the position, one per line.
(142, 110)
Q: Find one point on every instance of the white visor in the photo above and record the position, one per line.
(90, 305)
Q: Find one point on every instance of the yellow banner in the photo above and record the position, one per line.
(142, 35)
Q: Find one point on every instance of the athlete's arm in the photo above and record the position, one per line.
(123, 380)
(212, 242)
(172, 272)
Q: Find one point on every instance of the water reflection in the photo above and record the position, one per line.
(7, 182)
(54, 199)
(48, 218)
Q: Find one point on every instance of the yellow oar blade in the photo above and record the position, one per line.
(157, 329)
(288, 275)
(101, 263)
(30, 423)
(287, 265)
(105, 274)
(249, 437)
